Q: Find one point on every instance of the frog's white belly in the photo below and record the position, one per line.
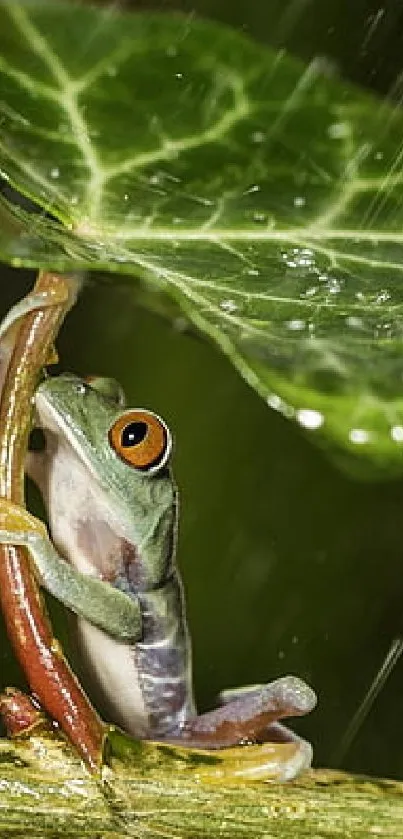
(145, 688)
(113, 675)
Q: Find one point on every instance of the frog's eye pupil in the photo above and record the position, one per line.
(134, 433)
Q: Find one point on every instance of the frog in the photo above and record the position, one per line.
(105, 476)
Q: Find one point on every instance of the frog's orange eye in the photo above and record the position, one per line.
(141, 439)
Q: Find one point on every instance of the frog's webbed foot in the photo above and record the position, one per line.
(251, 716)
(98, 602)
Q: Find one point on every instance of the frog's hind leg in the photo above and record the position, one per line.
(251, 716)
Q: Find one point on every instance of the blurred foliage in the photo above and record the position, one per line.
(363, 38)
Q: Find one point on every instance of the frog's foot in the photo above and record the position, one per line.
(17, 525)
(252, 717)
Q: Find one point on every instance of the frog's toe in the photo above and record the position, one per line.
(17, 524)
(289, 695)
(276, 762)
(297, 762)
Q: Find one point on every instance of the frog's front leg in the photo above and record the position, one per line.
(251, 715)
(89, 597)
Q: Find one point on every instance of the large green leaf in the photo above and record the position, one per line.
(265, 197)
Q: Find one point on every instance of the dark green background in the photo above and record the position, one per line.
(289, 565)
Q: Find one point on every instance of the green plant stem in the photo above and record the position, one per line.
(44, 791)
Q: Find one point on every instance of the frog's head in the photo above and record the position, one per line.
(122, 454)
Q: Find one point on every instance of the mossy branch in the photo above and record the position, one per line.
(153, 791)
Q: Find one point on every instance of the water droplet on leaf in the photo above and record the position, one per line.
(396, 433)
(251, 189)
(228, 305)
(339, 130)
(258, 137)
(359, 436)
(309, 418)
(354, 322)
(295, 325)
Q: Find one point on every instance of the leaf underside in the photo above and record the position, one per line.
(263, 196)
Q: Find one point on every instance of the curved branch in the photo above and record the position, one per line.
(28, 626)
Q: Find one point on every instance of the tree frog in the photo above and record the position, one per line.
(112, 504)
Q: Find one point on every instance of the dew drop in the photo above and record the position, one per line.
(295, 325)
(383, 296)
(396, 433)
(278, 404)
(274, 401)
(228, 305)
(309, 418)
(354, 322)
(55, 172)
(258, 137)
(334, 286)
(359, 435)
(179, 75)
(299, 201)
(259, 217)
(339, 130)
(155, 179)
